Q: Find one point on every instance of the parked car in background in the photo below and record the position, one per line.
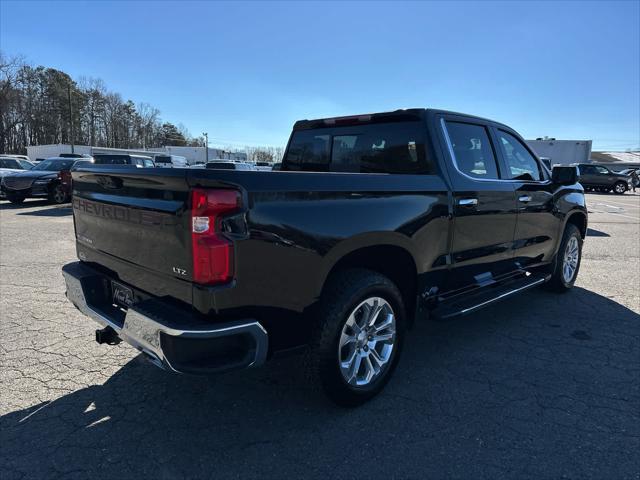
(618, 166)
(602, 179)
(629, 171)
(229, 165)
(170, 161)
(23, 160)
(433, 213)
(75, 155)
(264, 166)
(11, 165)
(48, 179)
(138, 161)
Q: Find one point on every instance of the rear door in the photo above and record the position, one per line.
(484, 205)
(537, 226)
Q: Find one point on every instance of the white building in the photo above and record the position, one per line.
(192, 154)
(562, 152)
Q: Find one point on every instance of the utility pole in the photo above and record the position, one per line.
(206, 146)
(70, 116)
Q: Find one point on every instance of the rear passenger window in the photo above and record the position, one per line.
(472, 151)
(522, 165)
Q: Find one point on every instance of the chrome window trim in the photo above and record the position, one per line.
(455, 163)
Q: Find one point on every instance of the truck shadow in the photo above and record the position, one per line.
(54, 211)
(6, 205)
(456, 380)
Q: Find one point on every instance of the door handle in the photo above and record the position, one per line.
(468, 202)
(525, 198)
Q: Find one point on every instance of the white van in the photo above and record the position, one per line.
(170, 161)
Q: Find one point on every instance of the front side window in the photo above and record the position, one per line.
(520, 163)
(148, 163)
(601, 170)
(472, 150)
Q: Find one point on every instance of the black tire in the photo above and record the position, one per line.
(620, 188)
(15, 199)
(342, 295)
(57, 195)
(558, 282)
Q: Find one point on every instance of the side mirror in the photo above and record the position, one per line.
(562, 175)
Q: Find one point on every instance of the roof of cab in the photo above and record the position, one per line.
(401, 115)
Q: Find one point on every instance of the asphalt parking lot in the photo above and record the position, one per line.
(540, 386)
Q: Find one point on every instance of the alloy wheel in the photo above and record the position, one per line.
(570, 261)
(367, 342)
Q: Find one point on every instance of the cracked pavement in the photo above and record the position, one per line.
(539, 386)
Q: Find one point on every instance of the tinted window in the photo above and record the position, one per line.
(377, 148)
(472, 150)
(601, 170)
(222, 165)
(112, 159)
(9, 163)
(521, 164)
(309, 151)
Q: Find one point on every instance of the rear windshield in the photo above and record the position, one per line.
(375, 148)
(9, 163)
(222, 165)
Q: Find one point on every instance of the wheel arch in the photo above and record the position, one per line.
(389, 259)
(579, 219)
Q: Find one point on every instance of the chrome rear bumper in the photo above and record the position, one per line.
(165, 343)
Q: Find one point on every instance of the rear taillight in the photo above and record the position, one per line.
(212, 252)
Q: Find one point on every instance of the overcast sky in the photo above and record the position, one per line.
(244, 72)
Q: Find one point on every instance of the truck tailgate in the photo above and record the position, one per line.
(135, 222)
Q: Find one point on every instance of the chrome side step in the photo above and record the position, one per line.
(485, 297)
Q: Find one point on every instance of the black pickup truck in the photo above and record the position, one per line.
(372, 222)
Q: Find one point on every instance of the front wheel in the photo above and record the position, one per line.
(567, 263)
(620, 188)
(358, 336)
(58, 195)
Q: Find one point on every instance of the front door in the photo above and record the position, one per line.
(537, 225)
(484, 206)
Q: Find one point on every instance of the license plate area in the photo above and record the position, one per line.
(121, 295)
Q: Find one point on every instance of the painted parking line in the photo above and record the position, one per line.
(616, 214)
(626, 205)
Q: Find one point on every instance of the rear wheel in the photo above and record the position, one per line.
(57, 195)
(567, 263)
(358, 337)
(620, 188)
